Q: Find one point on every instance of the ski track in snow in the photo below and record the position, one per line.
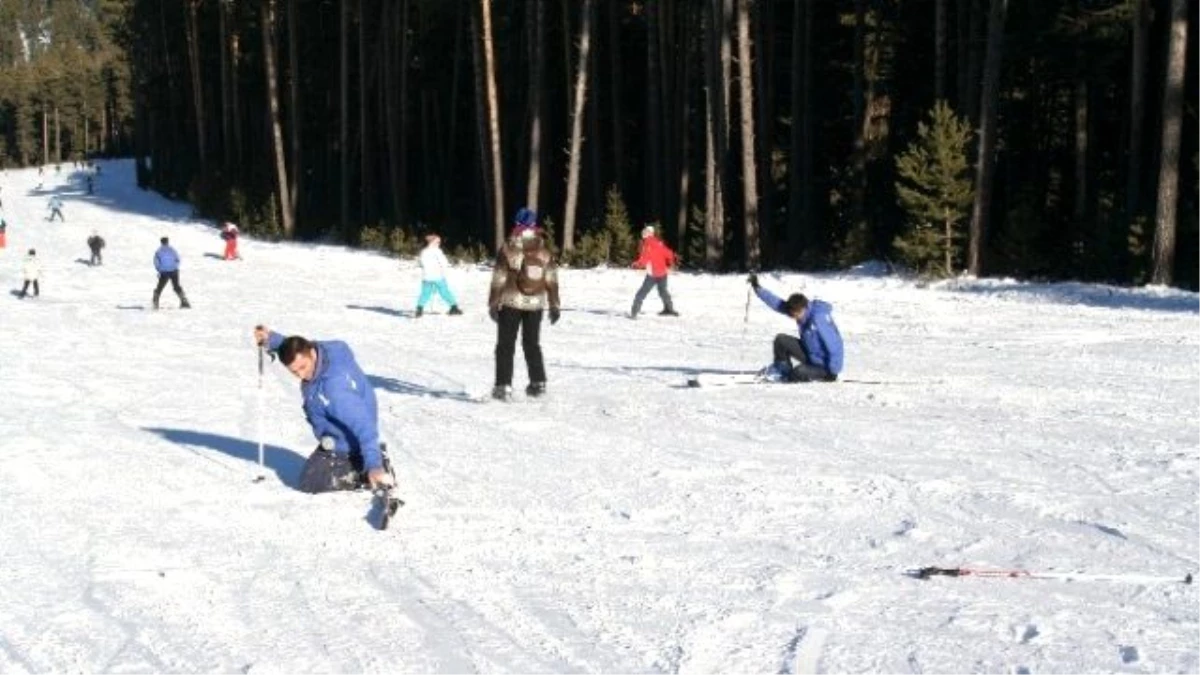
(621, 524)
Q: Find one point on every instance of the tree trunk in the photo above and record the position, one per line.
(284, 201)
(57, 137)
(614, 72)
(971, 97)
(536, 75)
(682, 162)
(714, 145)
(749, 165)
(577, 108)
(654, 116)
(391, 63)
(939, 46)
(493, 118)
(235, 54)
(763, 18)
(1137, 113)
(1080, 211)
(191, 30)
(456, 74)
(1163, 269)
(344, 108)
(226, 122)
(796, 224)
(985, 164)
(296, 111)
(366, 154)
(858, 160)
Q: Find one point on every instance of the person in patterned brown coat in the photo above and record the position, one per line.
(524, 287)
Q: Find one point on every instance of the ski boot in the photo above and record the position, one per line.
(455, 311)
(669, 311)
(417, 314)
(535, 389)
(502, 393)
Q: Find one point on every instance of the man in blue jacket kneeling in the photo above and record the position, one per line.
(818, 349)
(339, 403)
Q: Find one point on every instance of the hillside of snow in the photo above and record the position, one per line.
(624, 523)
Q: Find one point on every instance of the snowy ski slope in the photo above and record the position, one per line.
(624, 523)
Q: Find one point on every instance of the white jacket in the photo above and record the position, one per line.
(32, 268)
(434, 264)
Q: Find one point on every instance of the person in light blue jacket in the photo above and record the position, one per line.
(339, 403)
(166, 263)
(818, 350)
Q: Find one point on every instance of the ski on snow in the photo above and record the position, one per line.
(725, 379)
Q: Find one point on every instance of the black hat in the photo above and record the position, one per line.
(163, 241)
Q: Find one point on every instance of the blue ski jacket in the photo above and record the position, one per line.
(339, 401)
(818, 333)
(166, 259)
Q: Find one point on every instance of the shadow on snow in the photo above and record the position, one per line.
(391, 384)
(284, 462)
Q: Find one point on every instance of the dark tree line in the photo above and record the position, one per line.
(756, 133)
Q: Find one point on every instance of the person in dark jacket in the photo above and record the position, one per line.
(166, 263)
(95, 244)
(339, 403)
(818, 349)
(524, 286)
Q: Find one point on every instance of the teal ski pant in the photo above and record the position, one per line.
(442, 288)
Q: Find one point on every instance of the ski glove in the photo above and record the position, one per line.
(753, 281)
(494, 312)
(554, 314)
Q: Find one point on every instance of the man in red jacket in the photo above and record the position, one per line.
(657, 258)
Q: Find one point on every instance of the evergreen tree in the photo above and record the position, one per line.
(934, 189)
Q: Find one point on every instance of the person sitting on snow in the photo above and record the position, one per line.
(339, 403)
(819, 347)
(229, 233)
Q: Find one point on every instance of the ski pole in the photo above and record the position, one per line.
(746, 315)
(261, 475)
(928, 572)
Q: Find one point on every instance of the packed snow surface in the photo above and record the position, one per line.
(623, 523)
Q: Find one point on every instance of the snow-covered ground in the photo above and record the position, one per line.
(622, 524)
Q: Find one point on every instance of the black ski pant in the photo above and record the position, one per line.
(788, 347)
(163, 278)
(663, 293)
(96, 257)
(326, 471)
(529, 323)
(56, 212)
(25, 288)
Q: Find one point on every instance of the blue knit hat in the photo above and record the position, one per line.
(526, 217)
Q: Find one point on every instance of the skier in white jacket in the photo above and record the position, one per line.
(434, 266)
(32, 269)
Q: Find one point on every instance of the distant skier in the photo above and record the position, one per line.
(658, 259)
(166, 263)
(3, 232)
(434, 266)
(56, 209)
(819, 347)
(524, 283)
(339, 403)
(95, 244)
(32, 269)
(229, 233)
(90, 185)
